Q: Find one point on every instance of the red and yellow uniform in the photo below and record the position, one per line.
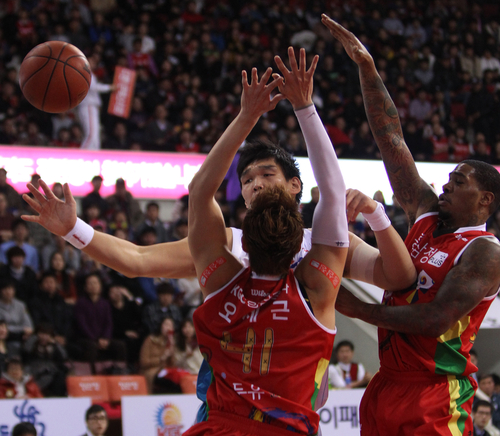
(423, 386)
(274, 358)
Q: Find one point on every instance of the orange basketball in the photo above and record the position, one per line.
(55, 76)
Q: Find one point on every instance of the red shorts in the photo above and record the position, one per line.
(227, 424)
(417, 404)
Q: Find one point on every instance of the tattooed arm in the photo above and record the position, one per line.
(413, 193)
(475, 277)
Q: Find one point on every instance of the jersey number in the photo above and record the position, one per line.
(247, 349)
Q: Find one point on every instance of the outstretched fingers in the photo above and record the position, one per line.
(36, 194)
(48, 192)
(35, 205)
(68, 196)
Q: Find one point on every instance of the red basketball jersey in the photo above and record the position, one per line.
(267, 352)
(433, 258)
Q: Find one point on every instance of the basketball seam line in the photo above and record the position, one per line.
(58, 60)
(52, 74)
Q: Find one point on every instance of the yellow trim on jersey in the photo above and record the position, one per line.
(454, 389)
(456, 331)
(320, 370)
(410, 297)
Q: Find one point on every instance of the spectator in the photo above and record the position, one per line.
(156, 312)
(94, 197)
(137, 58)
(89, 108)
(20, 234)
(151, 219)
(96, 420)
(22, 276)
(159, 130)
(64, 139)
(24, 429)
(481, 415)
(46, 358)
(6, 219)
(66, 287)
(187, 142)
(347, 374)
(16, 383)
(71, 256)
(157, 354)
(13, 197)
(420, 108)
(119, 139)
(49, 307)
(15, 314)
(127, 324)
(308, 208)
(94, 326)
(187, 354)
(4, 332)
(122, 200)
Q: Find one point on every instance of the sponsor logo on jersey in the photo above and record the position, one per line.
(438, 259)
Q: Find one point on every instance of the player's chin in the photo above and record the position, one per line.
(444, 214)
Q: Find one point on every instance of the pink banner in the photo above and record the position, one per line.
(147, 174)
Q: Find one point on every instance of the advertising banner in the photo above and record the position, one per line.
(50, 416)
(120, 101)
(171, 415)
(166, 176)
(160, 415)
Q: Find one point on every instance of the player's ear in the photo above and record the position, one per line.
(295, 185)
(486, 198)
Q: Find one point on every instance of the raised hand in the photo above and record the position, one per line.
(256, 97)
(57, 216)
(297, 84)
(352, 45)
(357, 202)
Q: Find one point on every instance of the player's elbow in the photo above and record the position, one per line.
(435, 325)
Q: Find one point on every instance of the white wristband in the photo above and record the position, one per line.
(80, 235)
(377, 220)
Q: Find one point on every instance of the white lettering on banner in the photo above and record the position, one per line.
(19, 169)
(89, 386)
(227, 308)
(284, 309)
(129, 386)
(74, 171)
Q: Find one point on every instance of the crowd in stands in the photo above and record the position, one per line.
(439, 59)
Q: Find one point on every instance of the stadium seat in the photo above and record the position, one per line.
(122, 385)
(188, 383)
(93, 386)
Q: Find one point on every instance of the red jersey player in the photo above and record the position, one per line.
(425, 334)
(262, 326)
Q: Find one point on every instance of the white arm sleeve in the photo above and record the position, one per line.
(330, 218)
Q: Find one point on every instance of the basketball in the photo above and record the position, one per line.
(55, 76)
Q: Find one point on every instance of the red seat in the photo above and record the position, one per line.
(121, 385)
(188, 383)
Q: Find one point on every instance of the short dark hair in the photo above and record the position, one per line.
(24, 429)
(46, 274)
(14, 251)
(485, 376)
(259, 150)
(272, 231)
(152, 204)
(165, 288)
(7, 283)
(488, 179)
(478, 403)
(18, 222)
(92, 410)
(344, 343)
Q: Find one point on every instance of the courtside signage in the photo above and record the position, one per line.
(166, 176)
